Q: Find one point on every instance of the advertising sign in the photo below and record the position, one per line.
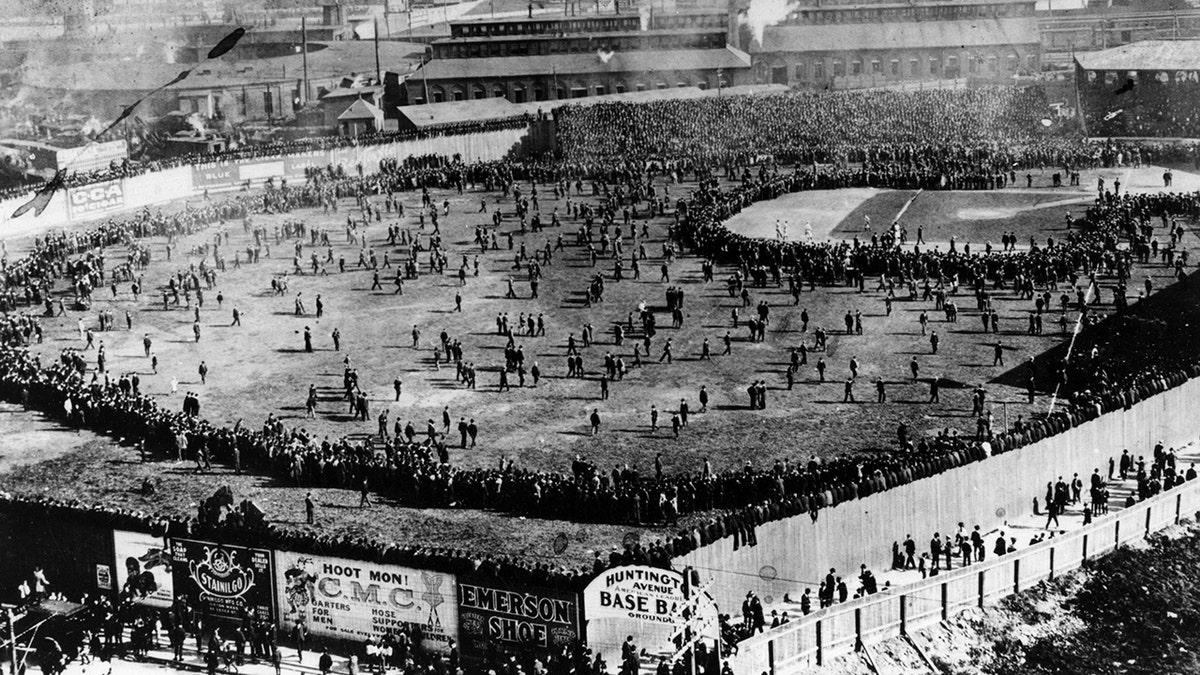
(215, 177)
(92, 156)
(514, 617)
(104, 577)
(96, 198)
(354, 600)
(261, 171)
(644, 601)
(295, 165)
(635, 592)
(144, 568)
(222, 581)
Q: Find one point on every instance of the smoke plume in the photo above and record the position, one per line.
(92, 127)
(763, 13)
(196, 122)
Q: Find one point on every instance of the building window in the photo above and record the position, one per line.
(856, 67)
(499, 91)
(952, 66)
(895, 67)
(801, 71)
(478, 92)
(935, 65)
(839, 68)
(1011, 64)
(639, 87)
(876, 67)
(914, 67)
(1031, 62)
(819, 70)
(268, 104)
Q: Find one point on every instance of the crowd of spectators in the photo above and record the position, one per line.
(986, 125)
(413, 471)
(1157, 107)
(131, 168)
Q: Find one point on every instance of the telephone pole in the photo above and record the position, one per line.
(378, 74)
(12, 638)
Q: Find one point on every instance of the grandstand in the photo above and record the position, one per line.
(1147, 89)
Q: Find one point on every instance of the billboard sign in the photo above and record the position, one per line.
(94, 155)
(648, 602)
(143, 564)
(259, 172)
(636, 593)
(509, 616)
(354, 600)
(223, 581)
(96, 198)
(294, 166)
(215, 177)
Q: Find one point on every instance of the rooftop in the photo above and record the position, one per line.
(860, 4)
(353, 92)
(1148, 55)
(899, 35)
(361, 110)
(334, 59)
(568, 64)
(599, 37)
(451, 112)
(541, 18)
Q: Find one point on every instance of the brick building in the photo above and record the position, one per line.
(832, 45)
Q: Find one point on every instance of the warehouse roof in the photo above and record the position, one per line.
(569, 64)
(901, 35)
(332, 59)
(1148, 55)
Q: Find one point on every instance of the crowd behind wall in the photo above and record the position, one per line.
(75, 544)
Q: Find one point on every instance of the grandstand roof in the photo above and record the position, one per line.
(1148, 55)
(453, 112)
(900, 35)
(476, 110)
(568, 64)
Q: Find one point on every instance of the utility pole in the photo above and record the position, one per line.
(689, 626)
(378, 74)
(304, 54)
(12, 638)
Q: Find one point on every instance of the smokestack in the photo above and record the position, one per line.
(304, 52)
